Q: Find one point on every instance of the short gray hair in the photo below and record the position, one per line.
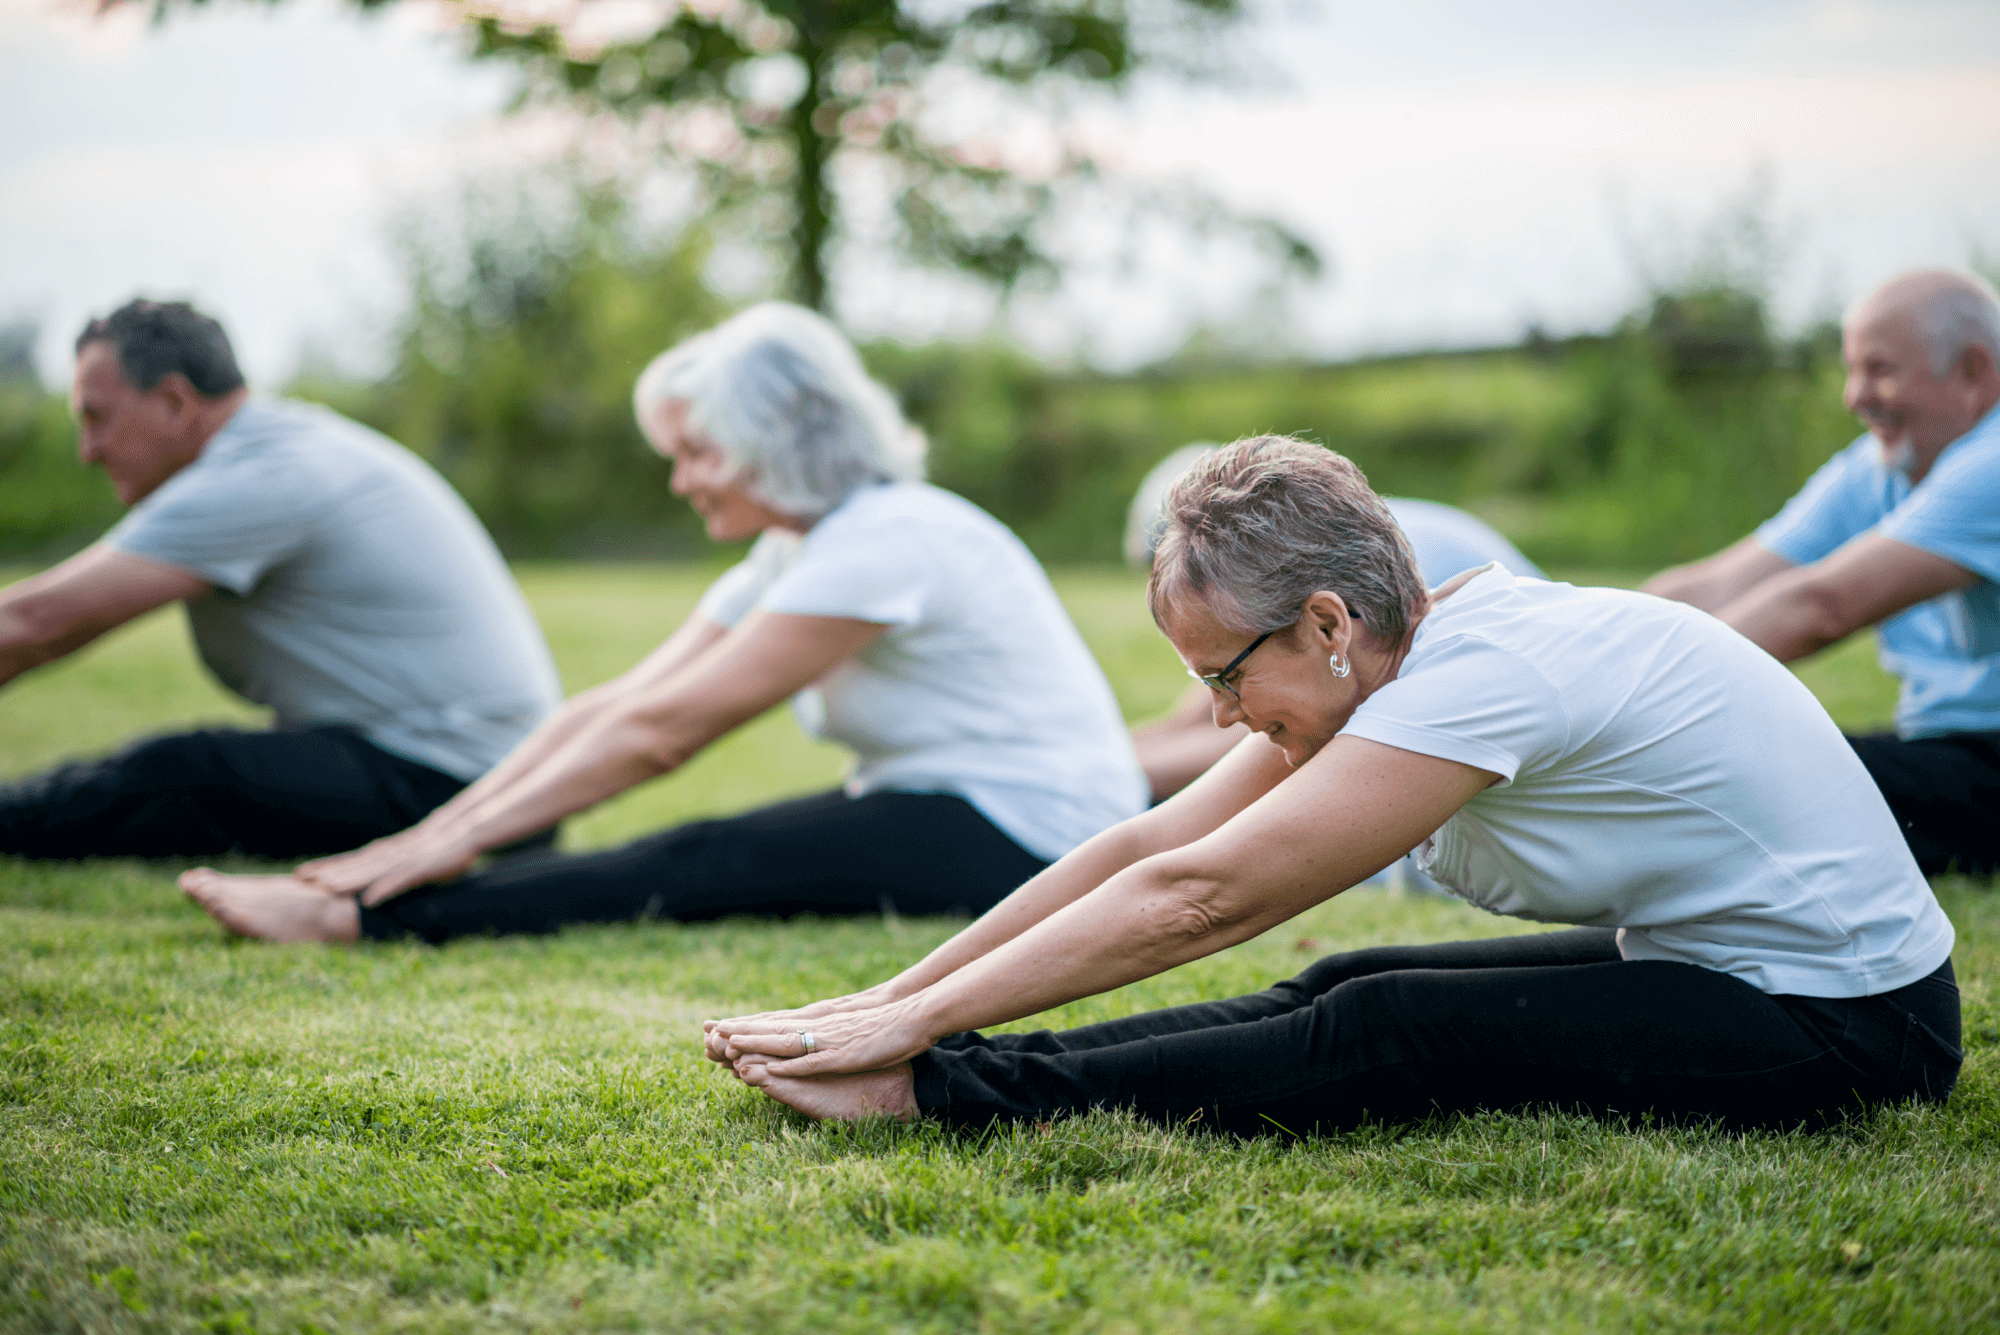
(1954, 311)
(783, 394)
(1256, 528)
(153, 338)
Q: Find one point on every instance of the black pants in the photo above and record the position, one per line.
(1396, 1033)
(1945, 791)
(222, 790)
(833, 854)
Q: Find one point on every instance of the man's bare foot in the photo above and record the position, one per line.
(840, 1098)
(273, 908)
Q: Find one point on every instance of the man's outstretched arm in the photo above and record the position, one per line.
(66, 607)
(1714, 582)
(1803, 610)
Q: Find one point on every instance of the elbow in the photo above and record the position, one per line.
(1823, 615)
(656, 743)
(32, 640)
(1197, 909)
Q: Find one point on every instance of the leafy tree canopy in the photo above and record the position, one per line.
(780, 106)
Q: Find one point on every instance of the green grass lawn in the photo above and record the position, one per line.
(200, 1134)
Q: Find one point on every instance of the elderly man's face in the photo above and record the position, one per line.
(1893, 387)
(140, 438)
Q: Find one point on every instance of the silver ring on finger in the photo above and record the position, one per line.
(807, 1043)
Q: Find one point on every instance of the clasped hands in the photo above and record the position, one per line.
(861, 1032)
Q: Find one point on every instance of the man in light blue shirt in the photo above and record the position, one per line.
(327, 573)
(1901, 531)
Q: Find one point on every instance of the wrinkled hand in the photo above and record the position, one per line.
(386, 868)
(715, 1044)
(845, 1042)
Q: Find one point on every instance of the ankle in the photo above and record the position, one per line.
(341, 919)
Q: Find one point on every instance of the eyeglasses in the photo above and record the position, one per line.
(1220, 681)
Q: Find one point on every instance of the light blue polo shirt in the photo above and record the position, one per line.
(1945, 650)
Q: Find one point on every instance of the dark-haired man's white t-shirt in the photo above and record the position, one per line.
(352, 587)
(981, 685)
(1660, 774)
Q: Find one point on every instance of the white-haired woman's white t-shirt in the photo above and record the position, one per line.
(981, 686)
(1662, 775)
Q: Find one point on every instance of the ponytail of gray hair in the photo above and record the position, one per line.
(1258, 527)
(784, 396)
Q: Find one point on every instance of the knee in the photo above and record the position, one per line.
(176, 761)
(1323, 976)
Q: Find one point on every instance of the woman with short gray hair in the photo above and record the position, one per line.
(901, 621)
(1753, 944)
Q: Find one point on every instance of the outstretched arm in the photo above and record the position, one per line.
(647, 728)
(1240, 779)
(64, 608)
(1350, 811)
(1716, 581)
(1810, 607)
(348, 872)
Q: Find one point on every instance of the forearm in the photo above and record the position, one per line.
(1786, 621)
(496, 788)
(1147, 919)
(1717, 581)
(601, 757)
(18, 651)
(25, 642)
(1055, 889)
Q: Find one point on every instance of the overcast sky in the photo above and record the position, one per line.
(1469, 166)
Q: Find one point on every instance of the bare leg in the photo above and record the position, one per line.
(841, 1098)
(273, 908)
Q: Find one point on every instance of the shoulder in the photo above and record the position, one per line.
(1561, 632)
(916, 514)
(281, 437)
(1971, 461)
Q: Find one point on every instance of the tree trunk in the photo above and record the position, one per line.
(812, 203)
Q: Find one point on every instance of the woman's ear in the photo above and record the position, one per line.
(1328, 622)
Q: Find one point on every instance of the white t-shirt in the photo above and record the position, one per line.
(1662, 775)
(981, 686)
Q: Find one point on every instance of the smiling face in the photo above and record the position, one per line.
(1894, 388)
(703, 474)
(140, 438)
(1285, 690)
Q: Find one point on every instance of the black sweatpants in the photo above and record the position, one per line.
(222, 790)
(1945, 792)
(831, 853)
(1396, 1033)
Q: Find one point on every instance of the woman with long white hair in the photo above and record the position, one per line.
(902, 622)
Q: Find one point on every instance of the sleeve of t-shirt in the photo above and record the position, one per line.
(877, 572)
(1472, 701)
(735, 593)
(1955, 511)
(229, 524)
(1834, 505)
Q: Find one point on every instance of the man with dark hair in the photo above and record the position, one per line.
(327, 573)
(1900, 531)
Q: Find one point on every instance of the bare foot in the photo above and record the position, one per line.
(841, 1098)
(273, 908)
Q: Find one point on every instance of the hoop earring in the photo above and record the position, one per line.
(1341, 666)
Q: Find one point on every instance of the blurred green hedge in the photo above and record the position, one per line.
(1662, 440)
